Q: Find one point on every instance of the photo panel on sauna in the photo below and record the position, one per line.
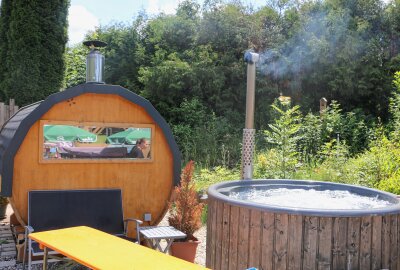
(69, 141)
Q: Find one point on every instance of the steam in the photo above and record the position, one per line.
(317, 40)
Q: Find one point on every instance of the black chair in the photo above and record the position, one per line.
(57, 209)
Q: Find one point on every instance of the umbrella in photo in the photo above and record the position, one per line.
(129, 136)
(64, 133)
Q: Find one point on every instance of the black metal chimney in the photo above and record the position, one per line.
(94, 61)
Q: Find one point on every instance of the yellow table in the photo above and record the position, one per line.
(98, 250)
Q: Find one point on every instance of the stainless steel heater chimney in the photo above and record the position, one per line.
(94, 61)
(249, 132)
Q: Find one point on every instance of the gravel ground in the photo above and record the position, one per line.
(201, 249)
(201, 235)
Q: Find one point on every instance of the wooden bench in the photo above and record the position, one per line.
(57, 209)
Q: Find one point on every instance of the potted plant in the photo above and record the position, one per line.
(185, 215)
(3, 207)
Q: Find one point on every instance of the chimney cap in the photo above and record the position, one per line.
(251, 57)
(94, 44)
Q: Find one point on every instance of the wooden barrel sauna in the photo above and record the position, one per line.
(243, 234)
(30, 161)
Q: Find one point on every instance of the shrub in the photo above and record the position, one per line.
(266, 165)
(186, 210)
(392, 184)
(206, 177)
(284, 135)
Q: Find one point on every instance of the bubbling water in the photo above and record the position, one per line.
(309, 198)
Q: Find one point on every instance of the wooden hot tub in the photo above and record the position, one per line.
(243, 234)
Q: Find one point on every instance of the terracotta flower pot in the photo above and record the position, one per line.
(184, 250)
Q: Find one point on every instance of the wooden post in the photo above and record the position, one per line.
(323, 104)
(2, 113)
(12, 107)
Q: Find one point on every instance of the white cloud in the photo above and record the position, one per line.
(157, 6)
(80, 22)
(170, 8)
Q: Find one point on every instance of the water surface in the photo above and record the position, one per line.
(310, 198)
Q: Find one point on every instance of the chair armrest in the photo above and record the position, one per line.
(138, 223)
(28, 229)
(133, 219)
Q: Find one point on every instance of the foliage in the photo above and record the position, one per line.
(5, 12)
(267, 165)
(311, 139)
(341, 50)
(206, 177)
(186, 211)
(334, 155)
(201, 135)
(75, 59)
(394, 108)
(283, 134)
(123, 54)
(34, 35)
(392, 184)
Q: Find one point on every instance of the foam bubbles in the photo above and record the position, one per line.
(310, 198)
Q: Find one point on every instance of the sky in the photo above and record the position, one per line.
(85, 15)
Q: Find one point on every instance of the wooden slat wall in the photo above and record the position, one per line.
(324, 243)
(211, 233)
(339, 235)
(219, 234)
(225, 235)
(376, 245)
(6, 111)
(353, 242)
(243, 238)
(281, 243)
(310, 242)
(255, 238)
(385, 242)
(365, 242)
(295, 242)
(233, 237)
(393, 242)
(265, 240)
(146, 186)
(267, 243)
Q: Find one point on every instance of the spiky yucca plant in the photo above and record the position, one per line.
(185, 210)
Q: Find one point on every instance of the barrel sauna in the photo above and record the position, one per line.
(146, 184)
(243, 234)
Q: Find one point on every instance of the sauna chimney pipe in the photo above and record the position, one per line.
(94, 61)
(251, 59)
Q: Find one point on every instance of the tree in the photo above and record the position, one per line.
(123, 54)
(75, 65)
(36, 34)
(5, 11)
(284, 134)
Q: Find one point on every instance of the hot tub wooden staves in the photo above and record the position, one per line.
(146, 184)
(239, 238)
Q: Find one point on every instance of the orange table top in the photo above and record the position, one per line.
(98, 250)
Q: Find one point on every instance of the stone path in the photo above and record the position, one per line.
(7, 247)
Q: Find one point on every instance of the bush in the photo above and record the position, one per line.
(206, 177)
(204, 137)
(266, 165)
(284, 135)
(186, 210)
(392, 184)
